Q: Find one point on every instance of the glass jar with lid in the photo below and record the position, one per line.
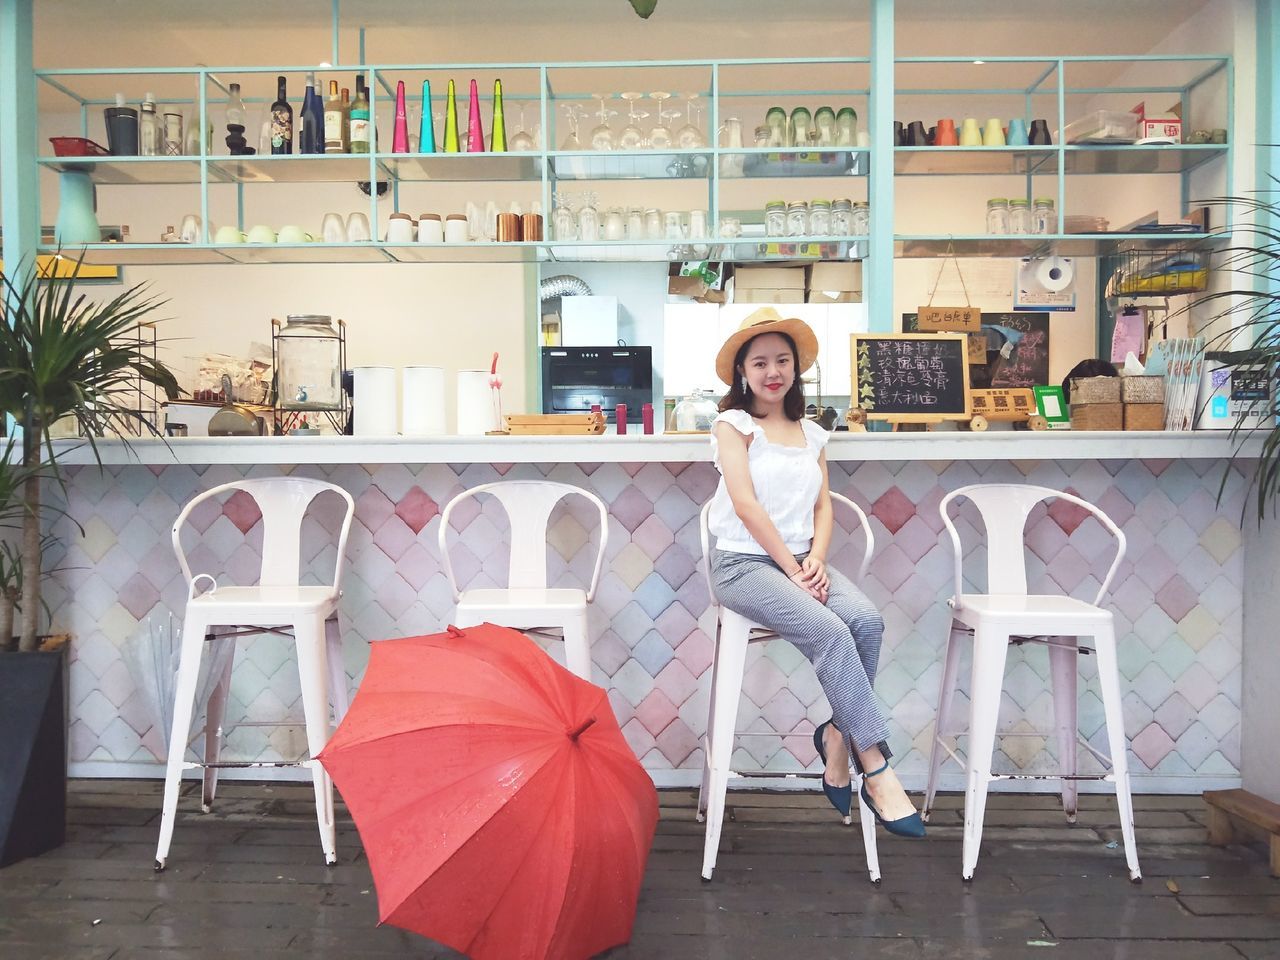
(842, 218)
(797, 218)
(696, 412)
(861, 218)
(1044, 219)
(775, 219)
(308, 363)
(1019, 215)
(820, 218)
(997, 215)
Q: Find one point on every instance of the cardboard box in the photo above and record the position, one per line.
(835, 282)
(1159, 124)
(769, 285)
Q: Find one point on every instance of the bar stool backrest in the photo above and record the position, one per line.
(1004, 508)
(837, 500)
(283, 502)
(528, 504)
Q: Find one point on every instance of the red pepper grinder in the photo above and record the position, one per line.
(620, 415)
(646, 418)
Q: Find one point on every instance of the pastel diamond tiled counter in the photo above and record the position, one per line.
(1177, 599)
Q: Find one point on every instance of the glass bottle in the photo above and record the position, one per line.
(776, 120)
(1019, 215)
(281, 121)
(842, 218)
(150, 142)
(562, 219)
(846, 127)
(825, 122)
(997, 215)
(635, 224)
(861, 218)
(775, 219)
(358, 127)
(335, 122)
(653, 224)
(797, 218)
(498, 132)
(820, 218)
(762, 137)
(235, 112)
(1044, 219)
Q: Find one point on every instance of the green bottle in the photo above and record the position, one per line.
(451, 121)
(498, 136)
(359, 125)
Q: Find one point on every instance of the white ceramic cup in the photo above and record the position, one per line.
(401, 229)
(261, 233)
(431, 230)
(292, 233)
(358, 228)
(455, 229)
(190, 229)
(227, 235)
(333, 229)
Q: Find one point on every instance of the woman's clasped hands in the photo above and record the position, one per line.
(812, 576)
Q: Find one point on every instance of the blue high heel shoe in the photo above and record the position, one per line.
(908, 826)
(841, 797)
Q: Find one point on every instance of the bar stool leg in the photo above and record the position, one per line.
(1109, 677)
(704, 790)
(729, 668)
(193, 637)
(315, 707)
(215, 712)
(946, 696)
(339, 692)
(1064, 670)
(989, 650)
(577, 644)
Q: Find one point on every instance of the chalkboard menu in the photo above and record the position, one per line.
(911, 377)
(1023, 336)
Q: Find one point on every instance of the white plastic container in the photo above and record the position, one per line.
(1102, 126)
(374, 401)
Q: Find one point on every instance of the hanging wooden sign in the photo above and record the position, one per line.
(949, 319)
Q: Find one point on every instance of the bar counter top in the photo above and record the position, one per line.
(935, 446)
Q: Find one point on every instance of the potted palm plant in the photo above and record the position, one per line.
(63, 353)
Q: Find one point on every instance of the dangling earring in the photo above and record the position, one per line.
(745, 389)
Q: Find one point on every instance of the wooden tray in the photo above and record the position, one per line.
(555, 424)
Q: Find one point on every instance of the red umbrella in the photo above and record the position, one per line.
(502, 811)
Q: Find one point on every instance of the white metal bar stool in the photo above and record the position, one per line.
(733, 633)
(277, 604)
(1008, 614)
(527, 603)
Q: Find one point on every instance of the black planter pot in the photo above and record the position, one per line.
(33, 754)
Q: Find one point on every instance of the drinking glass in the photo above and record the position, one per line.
(660, 135)
(602, 133)
(521, 140)
(563, 222)
(574, 113)
(689, 137)
(588, 219)
(632, 137)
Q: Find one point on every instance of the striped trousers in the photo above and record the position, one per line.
(841, 638)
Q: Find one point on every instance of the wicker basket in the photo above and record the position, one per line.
(1096, 416)
(1144, 416)
(1095, 390)
(1144, 390)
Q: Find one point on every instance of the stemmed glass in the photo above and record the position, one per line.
(602, 133)
(660, 135)
(521, 141)
(632, 137)
(689, 137)
(574, 113)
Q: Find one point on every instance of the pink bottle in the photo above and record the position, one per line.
(400, 132)
(475, 133)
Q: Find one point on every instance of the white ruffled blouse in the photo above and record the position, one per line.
(786, 480)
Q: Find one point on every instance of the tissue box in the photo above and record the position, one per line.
(1142, 390)
(1087, 390)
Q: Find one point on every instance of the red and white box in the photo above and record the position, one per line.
(1164, 125)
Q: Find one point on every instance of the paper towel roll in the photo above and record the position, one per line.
(374, 401)
(423, 411)
(475, 403)
(1055, 274)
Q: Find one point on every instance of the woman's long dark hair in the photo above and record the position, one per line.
(739, 397)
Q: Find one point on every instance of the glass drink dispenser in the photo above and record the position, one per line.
(310, 355)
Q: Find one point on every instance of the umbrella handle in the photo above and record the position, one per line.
(580, 729)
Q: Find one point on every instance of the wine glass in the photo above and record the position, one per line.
(602, 133)
(574, 113)
(689, 137)
(632, 137)
(521, 141)
(660, 135)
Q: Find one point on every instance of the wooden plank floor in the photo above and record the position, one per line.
(248, 881)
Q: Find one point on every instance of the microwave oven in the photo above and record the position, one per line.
(576, 378)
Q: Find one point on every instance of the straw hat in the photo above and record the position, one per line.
(768, 320)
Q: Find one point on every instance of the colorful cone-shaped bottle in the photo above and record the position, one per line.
(400, 130)
(475, 132)
(427, 128)
(451, 121)
(498, 135)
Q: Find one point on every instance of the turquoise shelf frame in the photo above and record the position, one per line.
(884, 167)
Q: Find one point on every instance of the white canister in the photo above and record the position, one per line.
(430, 228)
(423, 405)
(455, 228)
(374, 401)
(475, 403)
